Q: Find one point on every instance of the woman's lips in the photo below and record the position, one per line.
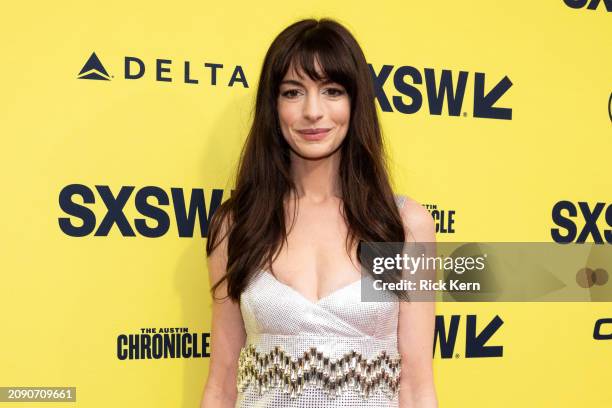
(314, 134)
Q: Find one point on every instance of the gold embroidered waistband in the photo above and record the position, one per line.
(277, 369)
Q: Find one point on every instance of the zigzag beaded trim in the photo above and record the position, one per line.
(278, 369)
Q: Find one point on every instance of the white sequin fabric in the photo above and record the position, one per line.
(275, 314)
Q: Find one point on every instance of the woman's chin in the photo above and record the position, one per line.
(314, 153)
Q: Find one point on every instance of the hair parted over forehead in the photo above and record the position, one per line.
(325, 41)
(331, 45)
(253, 218)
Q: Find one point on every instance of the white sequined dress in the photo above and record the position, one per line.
(344, 330)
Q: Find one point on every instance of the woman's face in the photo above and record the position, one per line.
(314, 116)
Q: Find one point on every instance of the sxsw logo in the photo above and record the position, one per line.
(187, 211)
(438, 88)
(475, 341)
(565, 215)
(592, 4)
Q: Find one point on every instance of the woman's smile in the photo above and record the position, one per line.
(315, 134)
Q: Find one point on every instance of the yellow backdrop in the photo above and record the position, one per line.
(101, 166)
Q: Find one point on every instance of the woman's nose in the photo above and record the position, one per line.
(313, 108)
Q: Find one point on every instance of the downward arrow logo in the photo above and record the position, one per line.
(475, 344)
(483, 104)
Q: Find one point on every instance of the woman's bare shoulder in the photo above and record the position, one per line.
(418, 222)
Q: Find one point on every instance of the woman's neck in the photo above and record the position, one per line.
(317, 180)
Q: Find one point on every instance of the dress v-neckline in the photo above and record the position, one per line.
(312, 302)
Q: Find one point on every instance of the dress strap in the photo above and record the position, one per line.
(400, 200)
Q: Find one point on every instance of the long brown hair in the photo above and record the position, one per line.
(255, 211)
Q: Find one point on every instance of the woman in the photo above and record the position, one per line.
(282, 251)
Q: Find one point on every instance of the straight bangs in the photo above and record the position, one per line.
(326, 47)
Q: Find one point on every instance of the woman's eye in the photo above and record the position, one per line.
(335, 91)
(290, 93)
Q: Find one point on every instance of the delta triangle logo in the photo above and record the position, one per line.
(93, 69)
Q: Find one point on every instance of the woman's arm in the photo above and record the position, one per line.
(227, 336)
(417, 321)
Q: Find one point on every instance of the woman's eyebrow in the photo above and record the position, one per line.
(291, 82)
(298, 83)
